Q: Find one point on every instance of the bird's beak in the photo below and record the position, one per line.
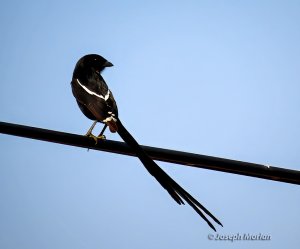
(108, 64)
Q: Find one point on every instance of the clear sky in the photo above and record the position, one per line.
(219, 78)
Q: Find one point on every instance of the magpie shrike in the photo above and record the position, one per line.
(97, 103)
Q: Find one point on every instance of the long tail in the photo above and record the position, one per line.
(173, 188)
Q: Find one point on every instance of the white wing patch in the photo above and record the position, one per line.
(93, 93)
(107, 95)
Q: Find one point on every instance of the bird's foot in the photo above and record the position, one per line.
(102, 137)
(96, 138)
(93, 137)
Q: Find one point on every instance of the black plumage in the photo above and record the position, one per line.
(96, 101)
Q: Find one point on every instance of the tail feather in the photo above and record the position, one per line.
(173, 188)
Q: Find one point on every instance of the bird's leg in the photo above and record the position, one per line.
(101, 136)
(89, 132)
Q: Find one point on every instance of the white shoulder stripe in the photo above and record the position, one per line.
(107, 95)
(92, 93)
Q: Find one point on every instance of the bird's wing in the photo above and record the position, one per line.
(97, 98)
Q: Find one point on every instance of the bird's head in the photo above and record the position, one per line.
(94, 62)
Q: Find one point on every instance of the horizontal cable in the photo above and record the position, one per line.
(165, 155)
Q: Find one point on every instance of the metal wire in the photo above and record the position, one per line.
(165, 155)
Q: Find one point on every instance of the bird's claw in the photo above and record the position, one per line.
(102, 137)
(93, 137)
(96, 139)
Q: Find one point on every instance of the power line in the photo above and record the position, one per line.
(165, 155)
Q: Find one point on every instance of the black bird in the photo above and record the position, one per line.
(97, 103)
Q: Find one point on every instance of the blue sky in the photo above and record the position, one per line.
(219, 78)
